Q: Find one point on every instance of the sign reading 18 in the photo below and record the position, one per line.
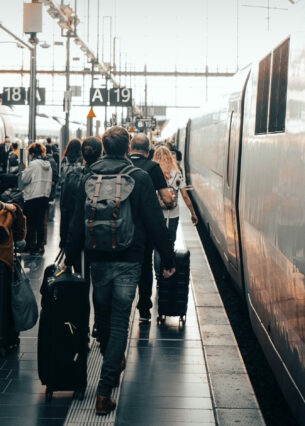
(21, 96)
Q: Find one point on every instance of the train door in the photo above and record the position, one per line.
(186, 153)
(231, 187)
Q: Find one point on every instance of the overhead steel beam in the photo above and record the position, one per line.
(128, 73)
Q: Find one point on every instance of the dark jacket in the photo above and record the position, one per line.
(68, 199)
(4, 157)
(55, 175)
(147, 215)
(152, 168)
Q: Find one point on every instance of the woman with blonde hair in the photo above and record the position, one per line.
(176, 184)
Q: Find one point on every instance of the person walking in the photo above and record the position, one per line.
(176, 183)
(115, 274)
(91, 150)
(36, 182)
(72, 157)
(12, 163)
(5, 149)
(139, 155)
(50, 212)
(55, 151)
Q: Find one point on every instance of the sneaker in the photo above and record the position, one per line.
(145, 316)
(104, 405)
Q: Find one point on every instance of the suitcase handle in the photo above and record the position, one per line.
(59, 257)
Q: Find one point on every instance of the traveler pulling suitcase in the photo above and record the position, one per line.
(63, 332)
(173, 291)
(9, 338)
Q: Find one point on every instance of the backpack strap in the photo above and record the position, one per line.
(93, 208)
(127, 170)
(118, 187)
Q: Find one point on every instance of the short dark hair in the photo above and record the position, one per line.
(91, 149)
(37, 149)
(116, 141)
(140, 142)
(49, 140)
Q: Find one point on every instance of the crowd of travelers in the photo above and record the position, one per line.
(152, 182)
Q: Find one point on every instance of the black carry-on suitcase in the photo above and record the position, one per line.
(173, 291)
(63, 332)
(9, 338)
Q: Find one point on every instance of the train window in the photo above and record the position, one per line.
(272, 91)
(278, 95)
(263, 95)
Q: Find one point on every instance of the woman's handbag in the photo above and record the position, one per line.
(24, 304)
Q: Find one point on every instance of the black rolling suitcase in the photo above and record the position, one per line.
(9, 338)
(63, 332)
(173, 291)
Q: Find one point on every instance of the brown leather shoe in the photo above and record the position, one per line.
(104, 404)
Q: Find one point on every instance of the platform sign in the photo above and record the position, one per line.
(14, 96)
(21, 96)
(120, 96)
(98, 96)
(40, 95)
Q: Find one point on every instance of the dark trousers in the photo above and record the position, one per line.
(35, 211)
(172, 228)
(146, 280)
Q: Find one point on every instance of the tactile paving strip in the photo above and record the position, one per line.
(83, 412)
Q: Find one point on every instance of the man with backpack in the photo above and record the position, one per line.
(116, 196)
(139, 155)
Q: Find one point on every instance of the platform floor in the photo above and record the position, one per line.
(175, 373)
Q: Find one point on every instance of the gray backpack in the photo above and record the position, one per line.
(109, 223)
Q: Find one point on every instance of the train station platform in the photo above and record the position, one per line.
(176, 374)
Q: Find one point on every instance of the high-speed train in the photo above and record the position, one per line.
(245, 160)
(16, 126)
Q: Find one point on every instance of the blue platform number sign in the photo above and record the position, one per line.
(14, 95)
(121, 96)
(21, 96)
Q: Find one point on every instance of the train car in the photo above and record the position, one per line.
(16, 126)
(245, 160)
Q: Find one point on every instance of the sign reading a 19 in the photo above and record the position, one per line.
(120, 96)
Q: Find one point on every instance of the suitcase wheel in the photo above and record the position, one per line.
(79, 394)
(49, 395)
(182, 319)
(161, 319)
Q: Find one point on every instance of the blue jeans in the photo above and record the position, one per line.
(114, 287)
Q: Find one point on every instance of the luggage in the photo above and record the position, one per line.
(9, 338)
(173, 291)
(63, 332)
